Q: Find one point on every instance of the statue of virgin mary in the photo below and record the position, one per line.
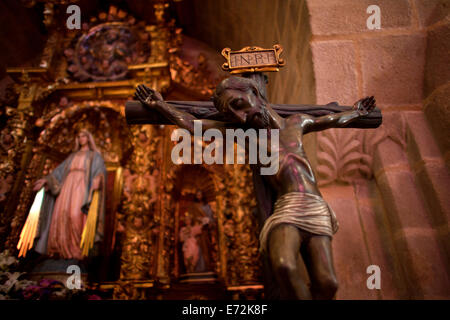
(75, 188)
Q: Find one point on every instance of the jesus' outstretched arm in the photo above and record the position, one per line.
(339, 120)
(185, 120)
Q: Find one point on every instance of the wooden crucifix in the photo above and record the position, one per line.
(291, 207)
(244, 62)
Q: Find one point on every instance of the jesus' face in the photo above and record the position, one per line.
(246, 107)
(241, 100)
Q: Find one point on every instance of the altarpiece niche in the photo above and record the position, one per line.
(83, 81)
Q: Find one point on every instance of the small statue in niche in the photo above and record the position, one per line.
(201, 211)
(191, 248)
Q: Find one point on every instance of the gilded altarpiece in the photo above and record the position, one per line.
(83, 80)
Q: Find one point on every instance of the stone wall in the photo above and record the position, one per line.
(393, 206)
(435, 19)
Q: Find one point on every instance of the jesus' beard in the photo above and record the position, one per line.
(262, 118)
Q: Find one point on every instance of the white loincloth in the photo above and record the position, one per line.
(306, 211)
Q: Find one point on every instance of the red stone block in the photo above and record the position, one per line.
(437, 111)
(435, 183)
(437, 67)
(432, 175)
(432, 11)
(428, 266)
(334, 68)
(402, 196)
(350, 256)
(378, 240)
(392, 68)
(331, 17)
(389, 156)
(422, 144)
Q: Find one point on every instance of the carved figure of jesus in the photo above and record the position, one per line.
(300, 217)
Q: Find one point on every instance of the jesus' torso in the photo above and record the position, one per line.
(295, 173)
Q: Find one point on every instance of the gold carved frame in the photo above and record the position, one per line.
(273, 66)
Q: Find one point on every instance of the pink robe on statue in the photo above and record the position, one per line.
(191, 250)
(67, 220)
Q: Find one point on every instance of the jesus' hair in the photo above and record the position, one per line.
(235, 83)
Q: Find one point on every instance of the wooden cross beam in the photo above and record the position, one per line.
(136, 113)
